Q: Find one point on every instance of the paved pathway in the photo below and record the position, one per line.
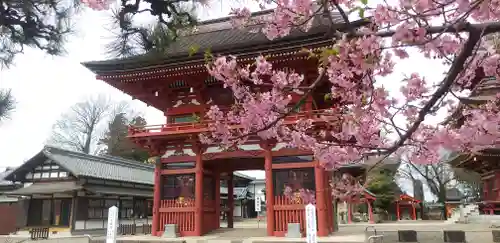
(253, 231)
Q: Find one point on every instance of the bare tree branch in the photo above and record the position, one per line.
(80, 128)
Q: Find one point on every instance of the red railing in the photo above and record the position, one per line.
(288, 210)
(202, 126)
(182, 213)
(179, 212)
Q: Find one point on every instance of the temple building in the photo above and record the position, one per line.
(484, 162)
(70, 192)
(188, 174)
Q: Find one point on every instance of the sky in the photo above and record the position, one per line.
(46, 86)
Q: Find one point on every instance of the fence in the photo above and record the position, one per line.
(132, 229)
(39, 233)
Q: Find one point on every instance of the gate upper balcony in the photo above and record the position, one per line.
(185, 127)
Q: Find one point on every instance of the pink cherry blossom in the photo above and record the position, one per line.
(365, 118)
(97, 4)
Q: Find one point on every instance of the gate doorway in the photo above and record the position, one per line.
(191, 194)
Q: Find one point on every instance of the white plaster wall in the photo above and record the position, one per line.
(237, 209)
(140, 222)
(90, 224)
(126, 221)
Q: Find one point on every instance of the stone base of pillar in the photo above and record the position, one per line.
(293, 231)
(171, 231)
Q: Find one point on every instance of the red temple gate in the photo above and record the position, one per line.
(178, 189)
(409, 203)
(188, 174)
(368, 198)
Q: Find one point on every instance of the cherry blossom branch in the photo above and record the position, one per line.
(475, 34)
(290, 111)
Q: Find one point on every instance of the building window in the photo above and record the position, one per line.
(149, 210)
(46, 171)
(95, 210)
(140, 208)
(127, 209)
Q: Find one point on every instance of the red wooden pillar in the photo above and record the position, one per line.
(320, 200)
(198, 195)
(156, 199)
(230, 200)
(414, 211)
(349, 212)
(397, 210)
(268, 166)
(370, 211)
(329, 202)
(217, 198)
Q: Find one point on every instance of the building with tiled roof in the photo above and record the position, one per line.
(72, 191)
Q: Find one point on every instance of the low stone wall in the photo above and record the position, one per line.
(435, 236)
(12, 239)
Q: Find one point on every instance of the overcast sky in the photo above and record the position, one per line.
(46, 86)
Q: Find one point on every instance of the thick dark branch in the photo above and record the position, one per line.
(475, 32)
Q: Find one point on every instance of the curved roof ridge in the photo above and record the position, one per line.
(103, 159)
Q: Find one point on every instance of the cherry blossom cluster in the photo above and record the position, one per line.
(364, 108)
(365, 118)
(346, 187)
(302, 196)
(97, 5)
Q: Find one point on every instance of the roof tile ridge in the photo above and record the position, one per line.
(128, 161)
(103, 159)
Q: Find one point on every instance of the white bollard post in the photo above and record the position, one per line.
(311, 229)
(112, 224)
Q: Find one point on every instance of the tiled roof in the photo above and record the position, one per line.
(100, 167)
(220, 37)
(238, 192)
(238, 174)
(47, 188)
(454, 194)
(3, 181)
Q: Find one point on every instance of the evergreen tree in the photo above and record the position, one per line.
(116, 142)
(383, 185)
(43, 25)
(6, 104)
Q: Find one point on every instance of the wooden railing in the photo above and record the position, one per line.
(202, 126)
(127, 229)
(288, 210)
(133, 229)
(179, 212)
(39, 233)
